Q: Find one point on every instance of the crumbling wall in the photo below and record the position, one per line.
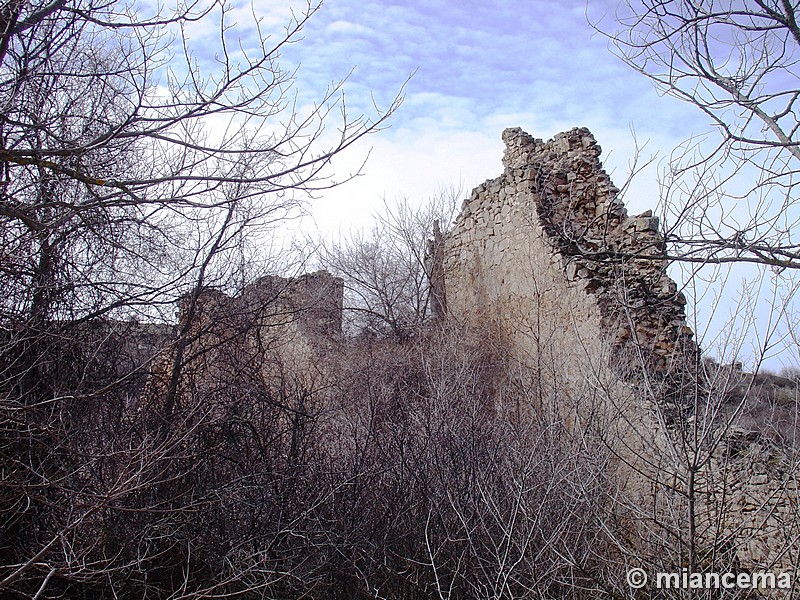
(548, 255)
(550, 242)
(757, 500)
(533, 255)
(311, 304)
(277, 331)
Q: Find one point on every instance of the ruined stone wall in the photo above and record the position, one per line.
(549, 245)
(275, 333)
(311, 303)
(548, 255)
(758, 501)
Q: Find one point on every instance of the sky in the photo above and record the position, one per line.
(467, 69)
(478, 67)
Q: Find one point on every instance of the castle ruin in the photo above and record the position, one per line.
(548, 255)
(547, 249)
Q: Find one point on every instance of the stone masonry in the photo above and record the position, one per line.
(547, 255)
(548, 243)
(276, 330)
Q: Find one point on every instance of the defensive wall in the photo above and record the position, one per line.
(547, 257)
(274, 334)
(547, 254)
(548, 251)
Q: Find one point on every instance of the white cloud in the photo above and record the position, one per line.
(348, 27)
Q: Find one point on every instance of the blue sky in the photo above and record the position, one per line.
(479, 67)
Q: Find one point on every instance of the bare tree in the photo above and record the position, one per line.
(387, 270)
(706, 490)
(729, 198)
(105, 130)
(135, 162)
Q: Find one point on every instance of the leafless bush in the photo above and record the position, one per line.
(386, 270)
(462, 486)
(115, 201)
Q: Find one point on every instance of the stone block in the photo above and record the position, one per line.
(647, 224)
